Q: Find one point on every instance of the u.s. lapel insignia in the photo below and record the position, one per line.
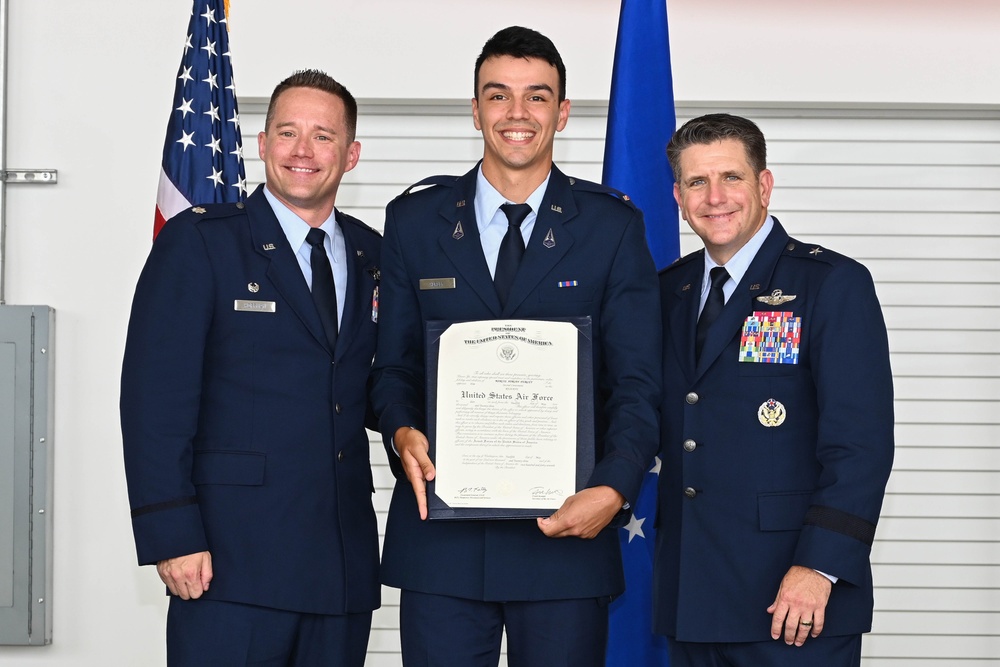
(198, 209)
(460, 204)
(459, 232)
(771, 413)
(550, 240)
(776, 298)
(557, 209)
(268, 246)
(686, 288)
(253, 287)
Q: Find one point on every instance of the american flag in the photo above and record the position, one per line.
(203, 150)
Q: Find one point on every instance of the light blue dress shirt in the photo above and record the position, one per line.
(295, 229)
(736, 266)
(492, 222)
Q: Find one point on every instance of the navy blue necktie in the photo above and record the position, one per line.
(713, 306)
(511, 250)
(324, 292)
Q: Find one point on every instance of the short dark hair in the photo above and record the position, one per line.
(715, 127)
(519, 42)
(314, 78)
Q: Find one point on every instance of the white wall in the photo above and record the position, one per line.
(89, 89)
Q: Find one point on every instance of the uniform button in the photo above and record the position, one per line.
(340, 455)
(691, 398)
(690, 492)
(336, 408)
(690, 445)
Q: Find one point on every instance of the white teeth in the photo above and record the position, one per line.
(518, 136)
(302, 170)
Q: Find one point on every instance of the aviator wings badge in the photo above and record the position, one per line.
(776, 298)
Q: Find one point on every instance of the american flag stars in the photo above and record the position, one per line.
(202, 153)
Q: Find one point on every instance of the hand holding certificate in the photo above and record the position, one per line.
(510, 412)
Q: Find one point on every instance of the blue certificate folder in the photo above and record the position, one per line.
(437, 508)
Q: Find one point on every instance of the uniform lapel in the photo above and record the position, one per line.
(683, 315)
(740, 304)
(283, 269)
(360, 284)
(459, 240)
(550, 239)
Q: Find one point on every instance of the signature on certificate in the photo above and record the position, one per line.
(545, 493)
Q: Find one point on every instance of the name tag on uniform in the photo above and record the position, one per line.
(771, 337)
(437, 283)
(254, 306)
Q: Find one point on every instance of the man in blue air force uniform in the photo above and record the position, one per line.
(547, 581)
(776, 425)
(243, 405)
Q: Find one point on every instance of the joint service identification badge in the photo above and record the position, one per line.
(771, 413)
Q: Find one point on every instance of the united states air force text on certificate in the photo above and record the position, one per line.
(507, 414)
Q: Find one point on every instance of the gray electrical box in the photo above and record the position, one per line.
(26, 384)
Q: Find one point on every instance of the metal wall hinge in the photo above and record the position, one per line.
(40, 176)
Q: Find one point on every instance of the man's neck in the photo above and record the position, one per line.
(516, 185)
(314, 217)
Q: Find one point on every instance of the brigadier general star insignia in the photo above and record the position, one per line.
(776, 298)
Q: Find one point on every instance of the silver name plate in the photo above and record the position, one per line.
(437, 283)
(254, 306)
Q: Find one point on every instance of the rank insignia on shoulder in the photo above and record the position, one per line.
(815, 251)
(198, 209)
(776, 298)
(771, 413)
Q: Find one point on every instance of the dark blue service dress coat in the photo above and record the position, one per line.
(243, 432)
(769, 465)
(597, 250)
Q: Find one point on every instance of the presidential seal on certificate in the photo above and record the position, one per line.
(510, 416)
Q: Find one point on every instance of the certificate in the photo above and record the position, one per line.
(510, 416)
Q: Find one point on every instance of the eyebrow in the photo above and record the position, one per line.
(495, 85)
(321, 128)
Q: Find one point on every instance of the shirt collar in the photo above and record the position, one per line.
(294, 227)
(489, 200)
(739, 263)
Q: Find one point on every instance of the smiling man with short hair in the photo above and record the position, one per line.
(547, 581)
